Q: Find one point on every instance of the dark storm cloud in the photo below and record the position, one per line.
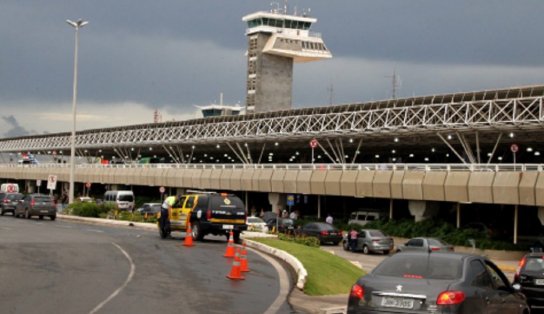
(171, 53)
(14, 128)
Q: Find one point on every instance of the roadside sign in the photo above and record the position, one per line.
(514, 148)
(290, 200)
(88, 185)
(52, 182)
(162, 189)
(313, 143)
(38, 182)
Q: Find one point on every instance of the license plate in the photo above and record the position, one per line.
(539, 282)
(228, 227)
(399, 303)
(44, 211)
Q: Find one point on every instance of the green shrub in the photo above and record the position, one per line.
(86, 209)
(443, 230)
(304, 240)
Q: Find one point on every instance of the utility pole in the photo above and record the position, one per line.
(395, 84)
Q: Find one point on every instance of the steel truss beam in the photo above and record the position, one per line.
(357, 119)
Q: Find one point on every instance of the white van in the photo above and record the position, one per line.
(9, 188)
(124, 200)
(363, 217)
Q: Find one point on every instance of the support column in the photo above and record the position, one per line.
(30, 186)
(318, 207)
(458, 222)
(422, 210)
(277, 200)
(516, 224)
(391, 209)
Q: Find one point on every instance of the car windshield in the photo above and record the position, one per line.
(376, 233)
(425, 266)
(254, 220)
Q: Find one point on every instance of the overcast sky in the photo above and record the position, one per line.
(170, 55)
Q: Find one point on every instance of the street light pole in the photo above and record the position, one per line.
(77, 25)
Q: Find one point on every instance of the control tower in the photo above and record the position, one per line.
(275, 41)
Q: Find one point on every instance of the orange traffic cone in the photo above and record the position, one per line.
(188, 241)
(230, 246)
(243, 259)
(235, 271)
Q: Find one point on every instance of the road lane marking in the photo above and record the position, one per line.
(123, 286)
(284, 284)
(95, 230)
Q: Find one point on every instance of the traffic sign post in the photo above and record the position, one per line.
(51, 182)
(514, 148)
(162, 189)
(313, 145)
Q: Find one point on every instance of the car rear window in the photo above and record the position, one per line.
(424, 266)
(534, 263)
(14, 196)
(437, 242)
(126, 198)
(376, 234)
(226, 202)
(42, 199)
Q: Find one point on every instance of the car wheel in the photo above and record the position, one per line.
(365, 250)
(27, 214)
(41, 217)
(53, 217)
(197, 232)
(2, 213)
(335, 243)
(386, 252)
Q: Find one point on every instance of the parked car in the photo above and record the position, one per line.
(36, 205)
(425, 244)
(370, 240)
(150, 209)
(529, 279)
(284, 225)
(256, 224)
(8, 202)
(426, 282)
(326, 233)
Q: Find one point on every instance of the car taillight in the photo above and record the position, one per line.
(520, 265)
(6, 200)
(209, 214)
(357, 292)
(434, 248)
(450, 298)
(32, 202)
(324, 233)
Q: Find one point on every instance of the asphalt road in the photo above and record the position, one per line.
(65, 267)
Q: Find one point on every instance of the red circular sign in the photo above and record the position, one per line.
(313, 143)
(514, 148)
(11, 188)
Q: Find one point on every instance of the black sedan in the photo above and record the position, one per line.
(421, 282)
(326, 233)
(529, 278)
(283, 225)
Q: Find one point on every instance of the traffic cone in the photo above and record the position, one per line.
(235, 271)
(243, 259)
(230, 246)
(188, 241)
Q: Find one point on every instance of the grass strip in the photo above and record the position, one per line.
(328, 274)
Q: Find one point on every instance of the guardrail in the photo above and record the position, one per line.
(369, 167)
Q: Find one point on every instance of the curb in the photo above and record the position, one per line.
(102, 221)
(301, 272)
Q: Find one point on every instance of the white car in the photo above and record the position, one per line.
(256, 224)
